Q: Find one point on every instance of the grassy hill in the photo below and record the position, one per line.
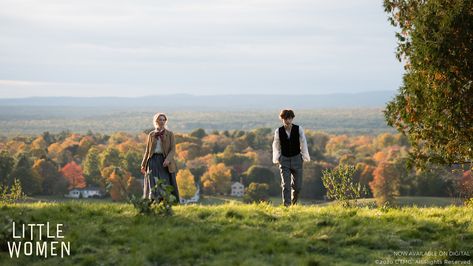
(240, 234)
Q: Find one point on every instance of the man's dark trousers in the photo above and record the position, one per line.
(291, 178)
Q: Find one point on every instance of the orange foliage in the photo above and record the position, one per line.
(122, 184)
(217, 179)
(119, 185)
(15, 146)
(39, 143)
(186, 184)
(385, 184)
(206, 161)
(187, 151)
(380, 156)
(216, 141)
(362, 140)
(337, 143)
(130, 145)
(366, 173)
(73, 174)
(54, 149)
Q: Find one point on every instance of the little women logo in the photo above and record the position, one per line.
(25, 242)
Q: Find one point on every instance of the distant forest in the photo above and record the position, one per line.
(34, 120)
(50, 164)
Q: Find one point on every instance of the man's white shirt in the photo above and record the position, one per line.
(277, 145)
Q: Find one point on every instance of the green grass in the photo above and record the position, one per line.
(368, 202)
(410, 202)
(276, 201)
(240, 234)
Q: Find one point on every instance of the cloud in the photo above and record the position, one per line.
(195, 46)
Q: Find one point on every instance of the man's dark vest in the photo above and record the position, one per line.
(290, 147)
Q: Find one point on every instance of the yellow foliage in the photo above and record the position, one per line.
(39, 143)
(217, 179)
(186, 183)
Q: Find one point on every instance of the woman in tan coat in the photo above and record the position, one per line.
(158, 159)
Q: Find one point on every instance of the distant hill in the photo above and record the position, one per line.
(358, 113)
(336, 100)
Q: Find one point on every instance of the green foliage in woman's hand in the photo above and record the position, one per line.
(161, 206)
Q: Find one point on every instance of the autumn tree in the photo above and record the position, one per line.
(23, 171)
(54, 149)
(317, 142)
(217, 179)
(53, 183)
(122, 184)
(84, 145)
(119, 181)
(199, 166)
(7, 163)
(338, 145)
(259, 138)
(132, 163)
(91, 167)
(110, 157)
(198, 133)
(187, 151)
(385, 185)
(118, 137)
(215, 143)
(186, 183)
(38, 153)
(39, 143)
(434, 107)
(65, 156)
(48, 138)
(364, 174)
(384, 140)
(238, 161)
(73, 174)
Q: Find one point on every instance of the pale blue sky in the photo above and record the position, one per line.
(150, 47)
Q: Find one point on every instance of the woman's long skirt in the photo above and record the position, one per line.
(156, 171)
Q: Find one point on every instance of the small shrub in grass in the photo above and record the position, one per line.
(256, 192)
(11, 194)
(162, 206)
(341, 186)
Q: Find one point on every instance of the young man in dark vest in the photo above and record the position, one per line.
(289, 151)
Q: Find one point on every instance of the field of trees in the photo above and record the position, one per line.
(50, 164)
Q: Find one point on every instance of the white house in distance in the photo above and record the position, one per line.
(237, 189)
(89, 192)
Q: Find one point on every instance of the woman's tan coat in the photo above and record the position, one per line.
(169, 149)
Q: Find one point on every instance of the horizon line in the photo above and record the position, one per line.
(200, 95)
